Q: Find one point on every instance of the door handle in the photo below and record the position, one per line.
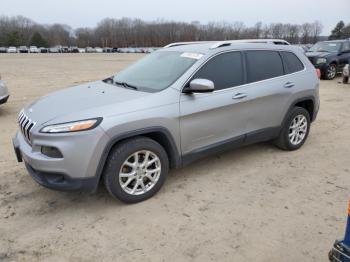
(288, 85)
(239, 96)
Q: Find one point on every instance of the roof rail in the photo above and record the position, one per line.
(218, 44)
(257, 41)
(188, 43)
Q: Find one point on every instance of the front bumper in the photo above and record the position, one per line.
(322, 67)
(4, 99)
(62, 182)
(77, 170)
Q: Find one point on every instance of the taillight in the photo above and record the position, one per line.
(318, 72)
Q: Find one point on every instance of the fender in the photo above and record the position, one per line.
(173, 153)
(296, 102)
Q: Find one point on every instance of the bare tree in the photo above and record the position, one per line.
(126, 32)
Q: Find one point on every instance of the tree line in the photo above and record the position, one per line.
(126, 32)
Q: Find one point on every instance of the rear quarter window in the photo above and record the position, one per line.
(291, 62)
(262, 65)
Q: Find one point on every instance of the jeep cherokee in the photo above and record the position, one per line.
(170, 108)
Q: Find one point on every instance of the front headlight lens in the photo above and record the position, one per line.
(76, 126)
(321, 61)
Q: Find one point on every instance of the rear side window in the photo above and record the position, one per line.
(225, 70)
(291, 62)
(263, 65)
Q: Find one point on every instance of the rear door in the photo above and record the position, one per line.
(270, 91)
(210, 118)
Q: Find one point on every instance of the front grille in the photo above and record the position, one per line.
(26, 125)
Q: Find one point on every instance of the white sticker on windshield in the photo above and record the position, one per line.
(192, 55)
(332, 44)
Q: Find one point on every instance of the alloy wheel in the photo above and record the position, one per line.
(298, 130)
(140, 172)
(331, 72)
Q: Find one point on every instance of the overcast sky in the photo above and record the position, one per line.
(84, 13)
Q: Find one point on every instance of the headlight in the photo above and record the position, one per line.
(321, 61)
(76, 126)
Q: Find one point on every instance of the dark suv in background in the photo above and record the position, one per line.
(330, 57)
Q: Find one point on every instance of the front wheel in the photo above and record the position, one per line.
(136, 169)
(331, 72)
(295, 130)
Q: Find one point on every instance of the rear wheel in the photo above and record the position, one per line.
(295, 130)
(136, 169)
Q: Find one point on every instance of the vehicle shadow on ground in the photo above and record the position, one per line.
(179, 176)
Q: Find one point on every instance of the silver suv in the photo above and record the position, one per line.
(170, 108)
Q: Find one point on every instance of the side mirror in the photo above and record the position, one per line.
(200, 86)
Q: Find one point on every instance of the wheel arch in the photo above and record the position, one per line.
(308, 104)
(159, 134)
(305, 102)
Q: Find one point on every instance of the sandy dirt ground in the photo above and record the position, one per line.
(252, 204)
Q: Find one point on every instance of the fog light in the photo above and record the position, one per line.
(50, 151)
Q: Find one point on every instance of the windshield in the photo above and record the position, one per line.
(156, 71)
(326, 47)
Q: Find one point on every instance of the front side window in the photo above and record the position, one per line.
(225, 70)
(291, 62)
(156, 71)
(262, 65)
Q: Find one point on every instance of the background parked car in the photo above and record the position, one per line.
(64, 49)
(12, 49)
(82, 50)
(98, 50)
(54, 49)
(73, 49)
(4, 94)
(107, 50)
(89, 49)
(3, 49)
(43, 50)
(23, 49)
(330, 57)
(33, 49)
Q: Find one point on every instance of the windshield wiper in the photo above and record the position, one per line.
(126, 85)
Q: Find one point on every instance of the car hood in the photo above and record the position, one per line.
(317, 54)
(73, 100)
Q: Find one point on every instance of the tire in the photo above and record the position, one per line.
(123, 157)
(331, 72)
(345, 79)
(286, 140)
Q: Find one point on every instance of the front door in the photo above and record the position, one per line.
(212, 118)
